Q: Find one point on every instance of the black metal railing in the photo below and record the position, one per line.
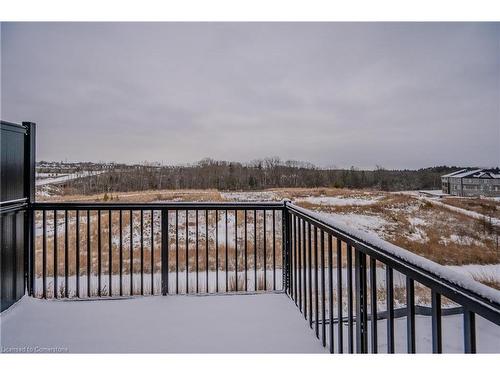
(91, 250)
(348, 287)
(345, 314)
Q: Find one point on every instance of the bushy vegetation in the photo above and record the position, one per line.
(257, 175)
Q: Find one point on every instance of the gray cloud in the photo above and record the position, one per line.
(402, 95)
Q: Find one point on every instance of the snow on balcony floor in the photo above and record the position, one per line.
(262, 323)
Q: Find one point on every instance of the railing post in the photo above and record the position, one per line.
(469, 331)
(361, 302)
(29, 193)
(164, 252)
(286, 246)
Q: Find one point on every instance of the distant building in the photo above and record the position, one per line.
(472, 183)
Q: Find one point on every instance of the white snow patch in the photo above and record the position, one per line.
(46, 178)
(340, 201)
(365, 223)
(479, 271)
(417, 221)
(250, 196)
(460, 240)
(417, 235)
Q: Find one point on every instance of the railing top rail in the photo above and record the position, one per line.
(159, 206)
(477, 297)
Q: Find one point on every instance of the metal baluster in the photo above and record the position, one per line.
(469, 331)
(197, 254)
(164, 252)
(44, 255)
(77, 243)
(246, 250)
(410, 314)
(304, 271)
(294, 242)
(339, 297)
(350, 314)
(152, 255)
(142, 252)
(66, 255)
(131, 257)
(226, 254)
(236, 247)
(206, 247)
(99, 266)
(437, 338)
(361, 303)
(89, 255)
(265, 251)
(390, 309)
(309, 247)
(255, 249)
(299, 260)
(316, 286)
(176, 252)
(323, 313)
(187, 252)
(56, 264)
(121, 252)
(110, 256)
(330, 292)
(373, 293)
(216, 252)
(274, 249)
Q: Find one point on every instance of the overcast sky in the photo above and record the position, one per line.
(335, 94)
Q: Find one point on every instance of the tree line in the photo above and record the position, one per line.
(256, 175)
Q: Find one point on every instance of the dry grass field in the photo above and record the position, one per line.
(433, 231)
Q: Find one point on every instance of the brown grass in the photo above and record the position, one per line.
(214, 252)
(483, 206)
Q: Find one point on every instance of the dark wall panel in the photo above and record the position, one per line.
(12, 280)
(12, 162)
(13, 214)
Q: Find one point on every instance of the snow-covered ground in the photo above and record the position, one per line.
(365, 223)
(473, 214)
(263, 323)
(175, 282)
(250, 196)
(46, 178)
(340, 201)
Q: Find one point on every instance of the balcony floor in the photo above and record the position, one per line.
(262, 323)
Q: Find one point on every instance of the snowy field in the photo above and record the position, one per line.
(50, 178)
(260, 323)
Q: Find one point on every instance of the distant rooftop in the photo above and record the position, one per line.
(474, 173)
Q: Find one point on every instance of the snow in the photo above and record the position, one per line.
(365, 223)
(340, 201)
(460, 240)
(249, 196)
(488, 335)
(417, 235)
(45, 178)
(261, 323)
(479, 271)
(174, 282)
(469, 213)
(407, 256)
(417, 221)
